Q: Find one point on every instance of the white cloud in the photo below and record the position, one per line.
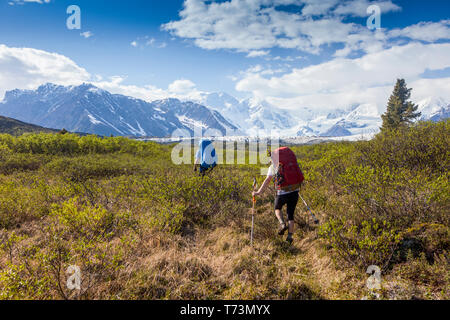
(27, 68)
(322, 103)
(288, 58)
(181, 86)
(258, 25)
(342, 82)
(184, 89)
(147, 41)
(87, 34)
(28, 1)
(317, 8)
(358, 8)
(425, 31)
(150, 42)
(115, 85)
(260, 70)
(257, 53)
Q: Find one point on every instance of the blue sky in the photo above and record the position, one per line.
(115, 25)
(248, 48)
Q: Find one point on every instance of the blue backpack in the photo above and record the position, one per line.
(207, 155)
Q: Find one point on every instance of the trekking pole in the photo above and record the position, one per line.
(253, 211)
(316, 221)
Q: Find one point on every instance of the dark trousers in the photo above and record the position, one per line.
(291, 200)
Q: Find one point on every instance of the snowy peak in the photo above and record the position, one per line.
(219, 100)
(49, 87)
(363, 111)
(249, 115)
(192, 114)
(434, 108)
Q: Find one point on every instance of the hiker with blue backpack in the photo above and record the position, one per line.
(206, 157)
(288, 178)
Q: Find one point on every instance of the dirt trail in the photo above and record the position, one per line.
(222, 264)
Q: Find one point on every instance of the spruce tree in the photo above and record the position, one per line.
(400, 111)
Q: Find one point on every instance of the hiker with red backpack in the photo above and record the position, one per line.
(288, 179)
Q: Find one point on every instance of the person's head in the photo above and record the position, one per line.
(274, 157)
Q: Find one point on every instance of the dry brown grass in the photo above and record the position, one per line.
(219, 263)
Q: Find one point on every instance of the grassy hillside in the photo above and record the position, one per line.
(140, 227)
(16, 127)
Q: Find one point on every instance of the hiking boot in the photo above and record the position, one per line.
(283, 228)
(289, 240)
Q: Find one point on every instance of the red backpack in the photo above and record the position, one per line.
(288, 176)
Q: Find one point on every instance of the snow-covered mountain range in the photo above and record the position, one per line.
(249, 115)
(253, 116)
(434, 109)
(89, 109)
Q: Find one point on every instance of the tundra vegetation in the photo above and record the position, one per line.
(140, 227)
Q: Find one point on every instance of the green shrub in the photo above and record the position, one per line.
(91, 167)
(370, 243)
(80, 220)
(426, 146)
(19, 204)
(72, 144)
(20, 162)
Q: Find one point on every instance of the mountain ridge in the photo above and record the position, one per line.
(87, 108)
(15, 127)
